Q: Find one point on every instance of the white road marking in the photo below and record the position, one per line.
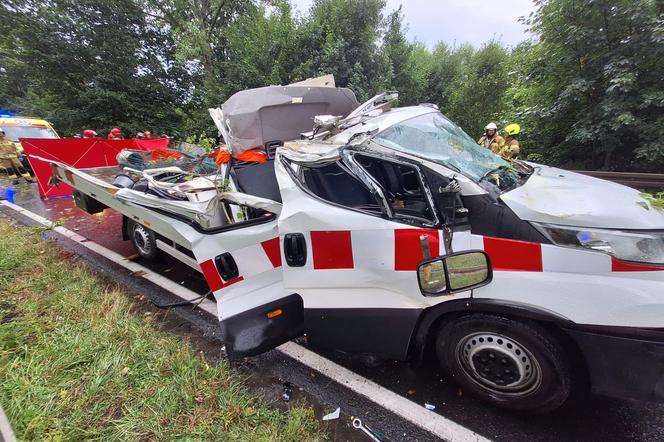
(434, 423)
(6, 432)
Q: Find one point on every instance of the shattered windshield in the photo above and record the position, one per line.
(435, 138)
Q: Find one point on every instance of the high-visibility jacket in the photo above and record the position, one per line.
(495, 144)
(8, 150)
(511, 149)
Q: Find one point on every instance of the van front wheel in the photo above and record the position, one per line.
(508, 363)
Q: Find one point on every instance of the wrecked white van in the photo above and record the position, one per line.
(390, 232)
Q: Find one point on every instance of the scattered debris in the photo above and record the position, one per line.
(138, 273)
(411, 392)
(333, 415)
(125, 371)
(374, 435)
(459, 392)
(288, 390)
(429, 407)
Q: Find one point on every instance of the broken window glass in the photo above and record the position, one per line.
(402, 186)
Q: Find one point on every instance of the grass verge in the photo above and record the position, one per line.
(78, 361)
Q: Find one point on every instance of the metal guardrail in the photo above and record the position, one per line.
(631, 179)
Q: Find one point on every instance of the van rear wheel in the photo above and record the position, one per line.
(143, 239)
(511, 364)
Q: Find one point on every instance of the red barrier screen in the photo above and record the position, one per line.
(80, 153)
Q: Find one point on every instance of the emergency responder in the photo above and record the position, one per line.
(511, 149)
(89, 133)
(115, 134)
(491, 140)
(9, 160)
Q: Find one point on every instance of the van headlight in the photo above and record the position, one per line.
(637, 246)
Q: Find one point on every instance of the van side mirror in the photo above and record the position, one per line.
(455, 272)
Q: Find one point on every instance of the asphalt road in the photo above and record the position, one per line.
(585, 417)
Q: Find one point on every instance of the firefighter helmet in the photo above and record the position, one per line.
(512, 129)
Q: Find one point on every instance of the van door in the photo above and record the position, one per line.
(242, 265)
(351, 247)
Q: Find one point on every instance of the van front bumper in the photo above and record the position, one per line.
(623, 362)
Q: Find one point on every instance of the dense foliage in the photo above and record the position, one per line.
(587, 89)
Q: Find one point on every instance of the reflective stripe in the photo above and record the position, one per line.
(507, 254)
(408, 248)
(332, 249)
(212, 276)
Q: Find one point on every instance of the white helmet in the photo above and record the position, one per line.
(491, 126)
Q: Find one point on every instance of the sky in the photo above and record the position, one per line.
(459, 21)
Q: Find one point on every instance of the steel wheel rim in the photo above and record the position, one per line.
(498, 363)
(142, 239)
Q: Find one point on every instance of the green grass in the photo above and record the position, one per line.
(80, 361)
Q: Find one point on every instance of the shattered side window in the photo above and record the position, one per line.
(334, 184)
(402, 188)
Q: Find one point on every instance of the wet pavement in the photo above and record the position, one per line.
(584, 417)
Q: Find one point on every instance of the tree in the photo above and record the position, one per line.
(261, 49)
(90, 64)
(447, 68)
(478, 92)
(340, 37)
(199, 28)
(601, 104)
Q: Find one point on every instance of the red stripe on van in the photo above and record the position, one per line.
(624, 266)
(273, 251)
(212, 276)
(332, 250)
(508, 254)
(408, 249)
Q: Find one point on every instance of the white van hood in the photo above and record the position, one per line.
(557, 196)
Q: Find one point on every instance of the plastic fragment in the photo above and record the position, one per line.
(430, 407)
(333, 415)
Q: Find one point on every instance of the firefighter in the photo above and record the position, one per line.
(511, 149)
(89, 133)
(115, 134)
(491, 140)
(9, 160)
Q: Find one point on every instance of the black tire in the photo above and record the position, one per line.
(511, 364)
(143, 239)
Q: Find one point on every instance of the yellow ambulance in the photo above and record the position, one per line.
(26, 127)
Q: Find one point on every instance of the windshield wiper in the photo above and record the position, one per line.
(492, 171)
(525, 169)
